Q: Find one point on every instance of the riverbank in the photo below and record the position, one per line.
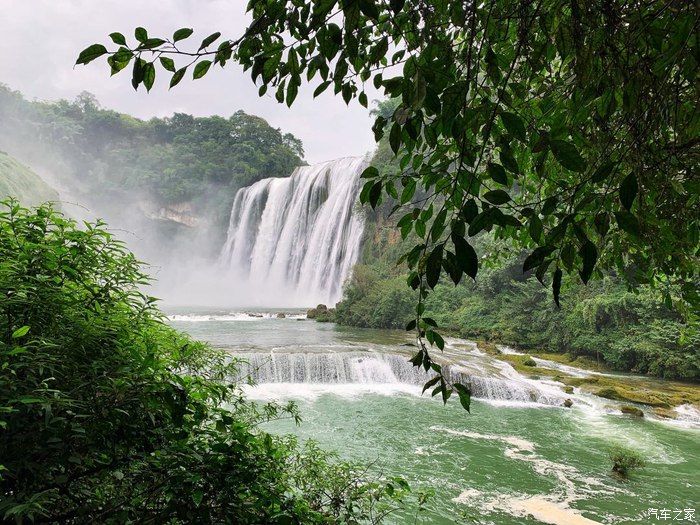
(661, 397)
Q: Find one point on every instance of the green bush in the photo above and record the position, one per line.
(108, 415)
(625, 460)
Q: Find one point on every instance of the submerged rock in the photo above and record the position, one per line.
(568, 403)
(529, 361)
(665, 413)
(632, 411)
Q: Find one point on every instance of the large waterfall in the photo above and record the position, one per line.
(371, 368)
(294, 240)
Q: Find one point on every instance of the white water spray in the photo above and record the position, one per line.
(294, 240)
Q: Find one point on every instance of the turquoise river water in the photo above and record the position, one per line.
(518, 458)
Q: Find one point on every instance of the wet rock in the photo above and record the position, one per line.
(312, 313)
(529, 361)
(664, 413)
(321, 308)
(569, 389)
(281, 315)
(632, 411)
(568, 403)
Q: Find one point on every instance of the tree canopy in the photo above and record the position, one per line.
(568, 127)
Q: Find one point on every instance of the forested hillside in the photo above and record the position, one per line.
(105, 155)
(631, 330)
(21, 182)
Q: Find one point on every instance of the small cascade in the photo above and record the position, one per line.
(295, 239)
(368, 368)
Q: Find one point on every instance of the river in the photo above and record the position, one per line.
(519, 457)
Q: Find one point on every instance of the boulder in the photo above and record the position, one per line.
(312, 313)
(632, 411)
(569, 389)
(321, 308)
(568, 403)
(528, 361)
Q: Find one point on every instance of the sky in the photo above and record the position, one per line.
(41, 39)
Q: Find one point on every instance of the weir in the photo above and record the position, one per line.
(369, 368)
(297, 236)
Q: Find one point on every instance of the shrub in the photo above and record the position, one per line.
(625, 460)
(109, 415)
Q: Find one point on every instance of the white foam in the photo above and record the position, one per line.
(233, 316)
(312, 391)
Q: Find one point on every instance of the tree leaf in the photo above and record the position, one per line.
(535, 228)
(321, 88)
(536, 257)
(395, 137)
(433, 266)
(567, 155)
(168, 64)
(89, 54)
(515, 126)
(20, 332)
(181, 34)
(466, 256)
(508, 160)
(628, 191)
(118, 38)
(369, 9)
(603, 172)
(209, 40)
(175, 80)
(465, 395)
(497, 173)
(149, 75)
(628, 223)
(430, 384)
(556, 285)
(201, 69)
(141, 34)
(589, 254)
(497, 197)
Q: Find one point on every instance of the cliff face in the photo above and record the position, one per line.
(182, 213)
(17, 180)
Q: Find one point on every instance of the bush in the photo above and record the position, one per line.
(109, 415)
(625, 460)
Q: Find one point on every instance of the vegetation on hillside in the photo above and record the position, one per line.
(170, 159)
(568, 128)
(630, 330)
(107, 415)
(19, 181)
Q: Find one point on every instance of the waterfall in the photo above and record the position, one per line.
(371, 368)
(295, 239)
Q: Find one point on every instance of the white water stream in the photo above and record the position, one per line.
(296, 238)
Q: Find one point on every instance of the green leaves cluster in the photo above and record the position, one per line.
(108, 415)
(569, 128)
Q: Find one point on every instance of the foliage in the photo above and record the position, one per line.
(627, 331)
(625, 460)
(569, 128)
(107, 415)
(23, 183)
(170, 159)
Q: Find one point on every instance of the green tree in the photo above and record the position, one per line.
(107, 415)
(569, 127)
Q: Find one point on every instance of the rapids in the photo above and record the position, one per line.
(518, 458)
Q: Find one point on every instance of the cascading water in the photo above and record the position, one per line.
(369, 368)
(294, 240)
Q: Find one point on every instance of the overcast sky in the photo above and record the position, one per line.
(40, 40)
